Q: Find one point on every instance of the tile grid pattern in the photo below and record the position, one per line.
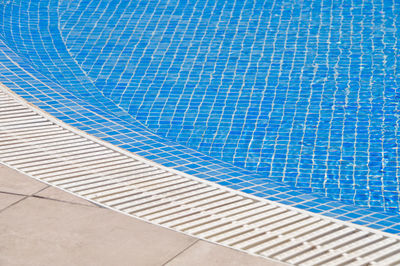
(303, 92)
(51, 151)
(83, 110)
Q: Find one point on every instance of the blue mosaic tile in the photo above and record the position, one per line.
(292, 90)
(293, 101)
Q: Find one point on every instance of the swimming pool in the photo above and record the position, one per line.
(262, 96)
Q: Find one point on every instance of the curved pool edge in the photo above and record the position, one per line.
(83, 115)
(76, 101)
(290, 215)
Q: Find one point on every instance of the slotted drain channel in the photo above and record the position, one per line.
(44, 148)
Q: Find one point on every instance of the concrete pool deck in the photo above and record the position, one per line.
(42, 225)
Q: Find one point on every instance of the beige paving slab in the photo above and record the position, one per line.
(8, 199)
(58, 194)
(42, 231)
(205, 253)
(46, 232)
(14, 182)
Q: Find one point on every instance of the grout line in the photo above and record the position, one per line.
(40, 190)
(13, 193)
(63, 201)
(24, 197)
(47, 198)
(34, 195)
(66, 126)
(182, 251)
(215, 218)
(15, 203)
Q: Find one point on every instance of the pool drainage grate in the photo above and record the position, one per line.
(53, 152)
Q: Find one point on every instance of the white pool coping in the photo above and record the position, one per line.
(49, 150)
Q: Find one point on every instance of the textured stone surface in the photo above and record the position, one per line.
(205, 253)
(13, 181)
(52, 227)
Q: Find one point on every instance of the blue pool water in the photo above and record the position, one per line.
(301, 91)
(260, 96)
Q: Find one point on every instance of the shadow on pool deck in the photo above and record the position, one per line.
(42, 225)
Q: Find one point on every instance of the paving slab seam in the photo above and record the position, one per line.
(13, 204)
(201, 209)
(63, 201)
(13, 193)
(47, 198)
(20, 200)
(182, 251)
